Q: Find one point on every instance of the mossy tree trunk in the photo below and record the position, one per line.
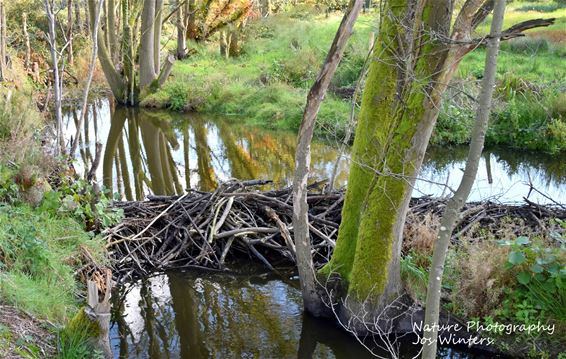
(414, 59)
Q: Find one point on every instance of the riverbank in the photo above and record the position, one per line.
(47, 216)
(506, 265)
(281, 55)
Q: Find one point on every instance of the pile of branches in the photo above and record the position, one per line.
(212, 229)
(209, 229)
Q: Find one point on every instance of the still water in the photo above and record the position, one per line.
(197, 315)
(160, 152)
(253, 314)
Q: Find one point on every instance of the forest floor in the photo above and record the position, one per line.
(281, 56)
(23, 336)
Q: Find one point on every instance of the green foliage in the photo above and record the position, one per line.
(544, 7)
(541, 276)
(38, 254)
(78, 198)
(414, 275)
(268, 84)
(75, 338)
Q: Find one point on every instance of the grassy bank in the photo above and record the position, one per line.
(45, 215)
(268, 83)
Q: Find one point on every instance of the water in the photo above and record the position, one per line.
(253, 314)
(196, 315)
(164, 153)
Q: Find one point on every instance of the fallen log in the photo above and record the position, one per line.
(210, 229)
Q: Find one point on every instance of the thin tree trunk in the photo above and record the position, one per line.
(113, 77)
(223, 44)
(27, 60)
(456, 203)
(2, 41)
(147, 60)
(92, 65)
(157, 26)
(78, 19)
(70, 58)
(312, 302)
(181, 33)
(57, 86)
(113, 42)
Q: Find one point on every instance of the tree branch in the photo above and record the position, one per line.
(518, 29)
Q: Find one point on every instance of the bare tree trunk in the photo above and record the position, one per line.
(147, 60)
(2, 41)
(92, 65)
(78, 20)
(114, 78)
(128, 54)
(181, 33)
(27, 60)
(87, 17)
(113, 43)
(157, 25)
(191, 19)
(57, 85)
(70, 58)
(312, 301)
(223, 44)
(456, 203)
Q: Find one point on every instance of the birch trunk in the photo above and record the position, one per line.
(311, 299)
(92, 65)
(27, 60)
(456, 203)
(57, 86)
(70, 57)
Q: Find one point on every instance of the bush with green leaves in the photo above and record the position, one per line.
(540, 272)
(79, 199)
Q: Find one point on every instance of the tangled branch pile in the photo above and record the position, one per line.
(209, 229)
(202, 229)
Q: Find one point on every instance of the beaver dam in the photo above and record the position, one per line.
(209, 230)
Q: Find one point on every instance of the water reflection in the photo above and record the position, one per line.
(198, 315)
(164, 153)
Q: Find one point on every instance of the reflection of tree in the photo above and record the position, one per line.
(185, 305)
(546, 167)
(204, 159)
(157, 138)
(242, 166)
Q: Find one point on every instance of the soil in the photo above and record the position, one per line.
(23, 336)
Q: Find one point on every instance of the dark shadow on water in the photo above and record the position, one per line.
(253, 314)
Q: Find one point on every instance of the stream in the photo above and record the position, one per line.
(251, 313)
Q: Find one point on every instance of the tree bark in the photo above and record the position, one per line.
(181, 32)
(311, 299)
(78, 19)
(27, 58)
(157, 25)
(70, 57)
(2, 41)
(92, 65)
(57, 85)
(147, 59)
(456, 203)
(115, 80)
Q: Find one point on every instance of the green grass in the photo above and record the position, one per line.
(268, 84)
(38, 256)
